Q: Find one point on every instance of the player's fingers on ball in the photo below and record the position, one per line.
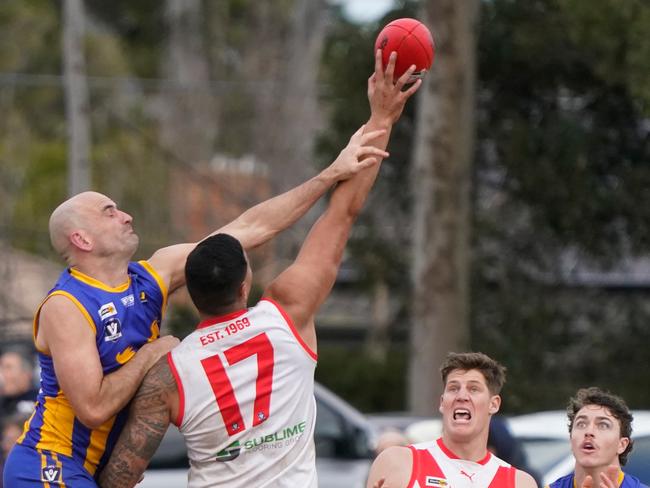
(406, 76)
(413, 88)
(379, 68)
(390, 67)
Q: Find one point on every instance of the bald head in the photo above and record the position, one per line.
(70, 216)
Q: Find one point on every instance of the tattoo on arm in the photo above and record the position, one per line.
(148, 420)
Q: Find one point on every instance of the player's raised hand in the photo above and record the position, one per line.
(387, 97)
(588, 482)
(358, 155)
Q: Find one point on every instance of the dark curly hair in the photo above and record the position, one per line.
(614, 404)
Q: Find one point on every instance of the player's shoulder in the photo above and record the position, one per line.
(395, 456)
(524, 480)
(394, 464)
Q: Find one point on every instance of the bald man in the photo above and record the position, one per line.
(97, 331)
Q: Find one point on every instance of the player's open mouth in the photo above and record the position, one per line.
(587, 446)
(462, 414)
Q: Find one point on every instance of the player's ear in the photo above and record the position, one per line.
(80, 240)
(623, 442)
(440, 406)
(495, 404)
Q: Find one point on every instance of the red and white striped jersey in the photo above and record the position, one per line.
(434, 465)
(246, 401)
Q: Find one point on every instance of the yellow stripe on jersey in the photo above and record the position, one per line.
(77, 303)
(58, 424)
(59, 465)
(25, 428)
(98, 284)
(161, 284)
(43, 466)
(97, 446)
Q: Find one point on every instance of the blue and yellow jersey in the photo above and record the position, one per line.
(123, 319)
(624, 481)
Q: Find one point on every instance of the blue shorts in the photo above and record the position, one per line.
(26, 467)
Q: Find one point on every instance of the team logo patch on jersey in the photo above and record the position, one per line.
(433, 481)
(51, 474)
(112, 330)
(229, 453)
(143, 297)
(128, 301)
(107, 310)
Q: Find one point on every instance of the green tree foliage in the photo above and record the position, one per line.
(561, 180)
(561, 185)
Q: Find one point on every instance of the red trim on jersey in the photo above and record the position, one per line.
(295, 332)
(504, 477)
(223, 318)
(450, 454)
(424, 465)
(181, 391)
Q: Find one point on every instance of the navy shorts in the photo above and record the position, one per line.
(26, 467)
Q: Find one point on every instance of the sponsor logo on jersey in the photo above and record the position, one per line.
(51, 474)
(229, 453)
(112, 330)
(433, 481)
(282, 438)
(107, 310)
(128, 301)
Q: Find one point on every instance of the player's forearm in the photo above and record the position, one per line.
(265, 220)
(115, 391)
(135, 448)
(149, 418)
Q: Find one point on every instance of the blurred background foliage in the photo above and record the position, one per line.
(561, 180)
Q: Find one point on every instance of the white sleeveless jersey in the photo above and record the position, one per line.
(434, 465)
(247, 408)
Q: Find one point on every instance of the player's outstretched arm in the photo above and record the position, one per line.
(262, 222)
(149, 416)
(68, 336)
(304, 285)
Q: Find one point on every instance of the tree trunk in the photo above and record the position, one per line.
(442, 175)
(76, 97)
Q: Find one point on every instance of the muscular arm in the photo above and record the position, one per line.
(260, 223)
(303, 287)
(393, 466)
(67, 336)
(149, 417)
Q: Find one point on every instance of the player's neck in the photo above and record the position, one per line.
(112, 272)
(222, 311)
(473, 449)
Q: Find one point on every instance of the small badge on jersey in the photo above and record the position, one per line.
(112, 330)
(107, 310)
(143, 297)
(229, 453)
(51, 474)
(128, 301)
(433, 481)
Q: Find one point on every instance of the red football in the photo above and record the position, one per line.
(413, 43)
